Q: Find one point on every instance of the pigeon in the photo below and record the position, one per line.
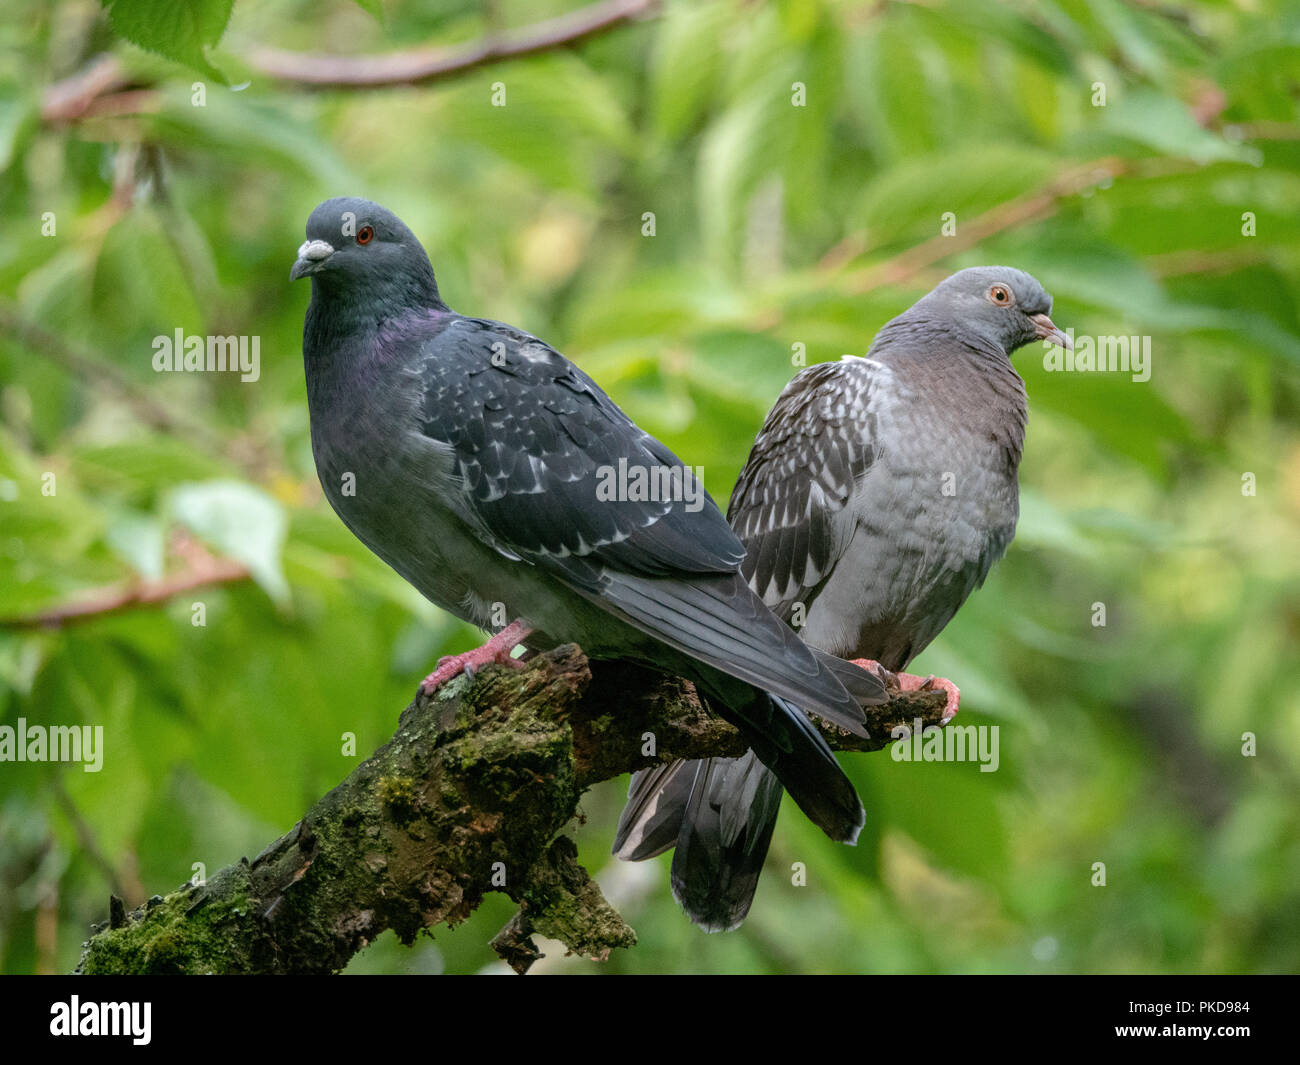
(876, 497)
(497, 478)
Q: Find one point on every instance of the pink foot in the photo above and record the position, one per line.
(908, 682)
(497, 649)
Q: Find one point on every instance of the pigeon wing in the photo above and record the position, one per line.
(790, 507)
(545, 460)
(533, 440)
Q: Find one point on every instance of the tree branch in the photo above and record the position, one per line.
(105, 88)
(1012, 214)
(124, 597)
(468, 797)
(1029, 209)
(424, 65)
(124, 885)
(147, 407)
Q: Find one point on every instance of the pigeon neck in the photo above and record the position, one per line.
(921, 336)
(939, 352)
(349, 347)
(391, 291)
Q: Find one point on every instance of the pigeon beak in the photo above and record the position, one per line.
(1045, 328)
(311, 255)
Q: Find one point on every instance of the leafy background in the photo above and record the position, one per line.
(776, 226)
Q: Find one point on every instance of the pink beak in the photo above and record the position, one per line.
(1046, 328)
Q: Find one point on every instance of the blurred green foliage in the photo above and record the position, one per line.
(775, 226)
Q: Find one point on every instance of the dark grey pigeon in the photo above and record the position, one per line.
(476, 460)
(876, 497)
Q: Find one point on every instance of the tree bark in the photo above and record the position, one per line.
(469, 796)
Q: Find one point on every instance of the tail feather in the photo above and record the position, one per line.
(719, 814)
(815, 780)
(656, 800)
(726, 830)
(721, 622)
(866, 688)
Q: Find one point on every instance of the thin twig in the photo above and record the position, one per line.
(127, 888)
(98, 89)
(142, 593)
(423, 65)
(1019, 212)
(71, 98)
(150, 410)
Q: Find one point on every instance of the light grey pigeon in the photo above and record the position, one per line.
(876, 497)
(477, 461)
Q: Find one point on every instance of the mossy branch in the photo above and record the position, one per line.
(468, 797)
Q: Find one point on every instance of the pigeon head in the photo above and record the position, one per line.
(1000, 303)
(355, 248)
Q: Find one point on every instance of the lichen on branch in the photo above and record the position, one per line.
(469, 796)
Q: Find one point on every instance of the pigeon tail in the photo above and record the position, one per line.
(725, 833)
(805, 764)
(719, 621)
(719, 814)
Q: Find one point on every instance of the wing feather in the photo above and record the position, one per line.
(538, 448)
(513, 411)
(790, 505)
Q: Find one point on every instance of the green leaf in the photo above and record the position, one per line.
(739, 364)
(1043, 524)
(737, 152)
(908, 200)
(683, 74)
(240, 521)
(15, 112)
(235, 125)
(141, 288)
(1164, 123)
(950, 808)
(179, 31)
(138, 540)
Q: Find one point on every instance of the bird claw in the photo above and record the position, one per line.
(495, 651)
(886, 677)
(903, 682)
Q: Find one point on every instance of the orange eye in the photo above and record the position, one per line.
(365, 234)
(1001, 295)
